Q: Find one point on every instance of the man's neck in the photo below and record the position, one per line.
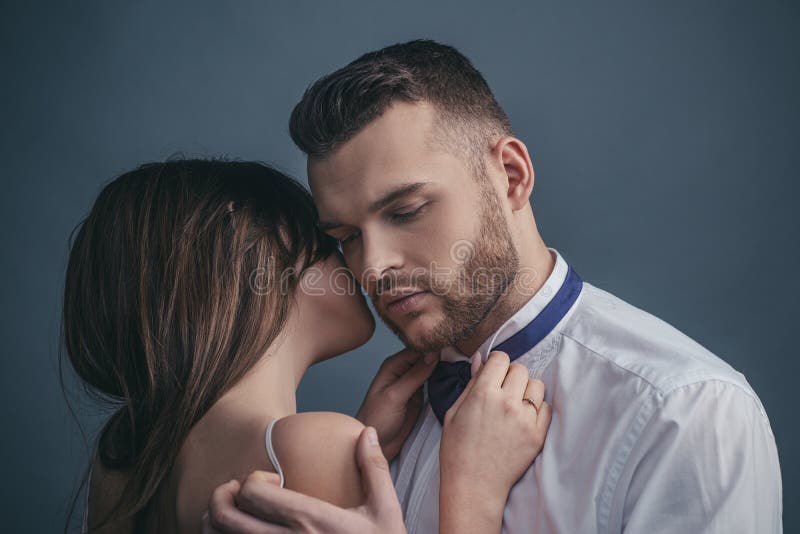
(517, 294)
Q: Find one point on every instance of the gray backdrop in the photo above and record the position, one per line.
(664, 137)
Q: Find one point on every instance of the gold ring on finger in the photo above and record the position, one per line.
(530, 401)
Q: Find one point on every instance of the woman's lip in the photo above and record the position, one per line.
(406, 303)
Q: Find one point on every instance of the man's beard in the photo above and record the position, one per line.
(489, 268)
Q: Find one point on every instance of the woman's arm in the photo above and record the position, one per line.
(259, 505)
(490, 438)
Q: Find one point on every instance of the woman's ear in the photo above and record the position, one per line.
(513, 155)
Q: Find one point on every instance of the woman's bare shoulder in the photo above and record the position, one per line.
(317, 452)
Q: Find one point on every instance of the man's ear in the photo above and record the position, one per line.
(513, 155)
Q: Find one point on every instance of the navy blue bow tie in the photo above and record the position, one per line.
(449, 379)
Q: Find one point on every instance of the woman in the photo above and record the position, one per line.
(197, 295)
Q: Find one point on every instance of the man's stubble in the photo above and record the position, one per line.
(483, 277)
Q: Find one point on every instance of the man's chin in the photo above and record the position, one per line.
(422, 334)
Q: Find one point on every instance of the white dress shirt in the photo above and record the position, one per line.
(650, 431)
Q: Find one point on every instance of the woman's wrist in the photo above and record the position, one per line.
(462, 477)
(467, 505)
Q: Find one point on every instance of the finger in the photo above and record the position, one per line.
(544, 418)
(414, 407)
(410, 381)
(265, 476)
(534, 390)
(516, 380)
(464, 394)
(391, 447)
(378, 486)
(282, 509)
(396, 366)
(475, 366)
(494, 370)
(207, 528)
(431, 357)
(224, 517)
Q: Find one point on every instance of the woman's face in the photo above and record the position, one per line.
(332, 307)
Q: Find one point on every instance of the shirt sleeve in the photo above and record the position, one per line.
(706, 462)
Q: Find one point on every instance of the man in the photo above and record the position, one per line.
(416, 172)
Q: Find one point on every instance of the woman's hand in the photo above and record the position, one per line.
(261, 506)
(490, 438)
(394, 398)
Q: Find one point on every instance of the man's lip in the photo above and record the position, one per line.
(406, 302)
(401, 296)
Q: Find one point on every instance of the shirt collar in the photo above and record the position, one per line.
(521, 318)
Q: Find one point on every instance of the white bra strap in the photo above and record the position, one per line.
(271, 451)
(85, 523)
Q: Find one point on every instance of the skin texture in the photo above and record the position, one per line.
(316, 451)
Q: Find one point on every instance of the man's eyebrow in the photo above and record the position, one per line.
(398, 192)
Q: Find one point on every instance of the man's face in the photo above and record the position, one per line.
(426, 239)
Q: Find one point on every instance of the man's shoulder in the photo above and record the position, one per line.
(644, 346)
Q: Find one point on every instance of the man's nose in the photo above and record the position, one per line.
(380, 257)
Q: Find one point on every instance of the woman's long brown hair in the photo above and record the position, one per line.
(177, 282)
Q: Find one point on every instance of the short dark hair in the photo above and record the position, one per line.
(339, 105)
